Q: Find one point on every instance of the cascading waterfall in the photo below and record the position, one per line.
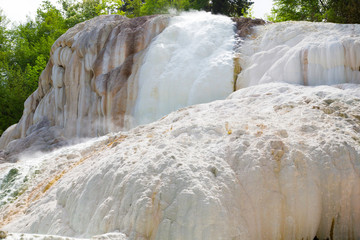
(190, 62)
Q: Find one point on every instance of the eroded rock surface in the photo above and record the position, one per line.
(301, 53)
(39, 137)
(245, 25)
(89, 81)
(275, 161)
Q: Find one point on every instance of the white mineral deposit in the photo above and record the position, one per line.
(144, 129)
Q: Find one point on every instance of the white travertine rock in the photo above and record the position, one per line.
(302, 53)
(274, 161)
(22, 236)
(58, 76)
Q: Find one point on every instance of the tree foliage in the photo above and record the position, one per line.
(75, 12)
(233, 8)
(339, 11)
(344, 11)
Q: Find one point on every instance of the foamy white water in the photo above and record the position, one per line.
(190, 62)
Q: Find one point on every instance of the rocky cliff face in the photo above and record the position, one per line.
(89, 81)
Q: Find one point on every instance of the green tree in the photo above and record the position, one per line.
(34, 38)
(24, 52)
(199, 5)
(297, 10)
(132, 8)
(344, 11)
(3, 34)
(162, 6)
(14, 89)
(75, 12)
(233, 8)
(4, 45)
(111, 7)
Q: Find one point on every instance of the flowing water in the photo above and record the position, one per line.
(190, 62)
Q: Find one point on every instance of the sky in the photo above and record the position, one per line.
(260, 8)
(17, 10)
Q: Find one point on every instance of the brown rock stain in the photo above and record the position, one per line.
(237, 70)
(277, 151)
(305, 66)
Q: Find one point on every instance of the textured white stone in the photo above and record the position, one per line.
(274, 161)
(22, 236)
(301, 53)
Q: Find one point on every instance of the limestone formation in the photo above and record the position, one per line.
(301, 53)
(88, 82)
(275, 161)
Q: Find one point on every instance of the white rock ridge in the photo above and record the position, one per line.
(274, 161)
(301, 53)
